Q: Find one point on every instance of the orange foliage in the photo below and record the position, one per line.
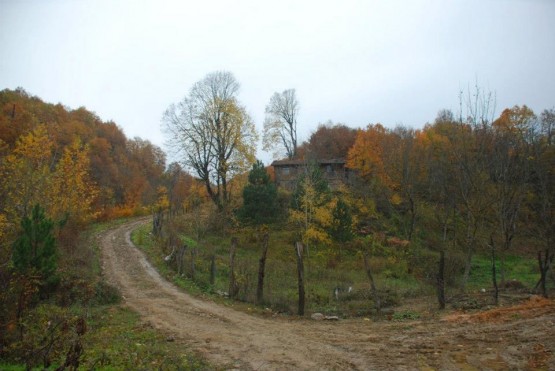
(330, 142)
(366, 155)
(125, 173)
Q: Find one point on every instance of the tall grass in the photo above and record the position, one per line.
(326, 269)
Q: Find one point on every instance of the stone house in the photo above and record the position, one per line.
(287, 172)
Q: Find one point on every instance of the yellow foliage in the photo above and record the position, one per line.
(396, 199)
(315, 236)
(3, 226)
(197, 195)
(323, 215)
(27, 179)
(297, 216)
(314, 215)
(163, 201)
(73, 192)
(25, 175)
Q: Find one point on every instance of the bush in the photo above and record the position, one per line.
(49, 336)
(106, 294)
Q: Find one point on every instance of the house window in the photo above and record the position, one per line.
(329, 169)
(285, 170)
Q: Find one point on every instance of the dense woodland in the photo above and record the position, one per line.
(61, 170)
(428, 201)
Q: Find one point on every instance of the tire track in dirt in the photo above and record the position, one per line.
(235, 339)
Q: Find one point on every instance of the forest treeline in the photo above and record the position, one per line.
(464, 181)
(466, 184)
(60, 170)
(73, 163)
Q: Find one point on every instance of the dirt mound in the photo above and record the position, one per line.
(534, 307)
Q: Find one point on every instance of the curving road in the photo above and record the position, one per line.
(234, 339)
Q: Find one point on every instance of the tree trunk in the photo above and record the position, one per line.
(212, 269)
(412, 219)
(261, 269)
(375, 294)
(179, 259)
(193, 269)
(157, 223)
(232, 283)
(544, 263)
(300, 272)
(441, 280)
(494, 272)
(547, 271)
(502, 268)
(467, 268)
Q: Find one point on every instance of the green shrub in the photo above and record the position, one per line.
(106, 294)
(35, 248)
(407, 315)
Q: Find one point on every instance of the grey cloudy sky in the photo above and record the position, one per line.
(356, 62)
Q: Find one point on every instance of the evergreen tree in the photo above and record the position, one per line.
(260, 204)
(35, 248)
(341, 229)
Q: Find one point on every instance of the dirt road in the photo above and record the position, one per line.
(516, 339)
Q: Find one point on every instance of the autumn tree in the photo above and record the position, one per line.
(541, 200)
(213, 133)
(280, 125)
(366, 155)
(404, 168)
(440, 195)
(509, 173)
(369, 157)
(26, 175)
(73, 190)
(312, 206)
(330, 141)
(107, 158)
(146, 164)
(117, 165)
(179, 183)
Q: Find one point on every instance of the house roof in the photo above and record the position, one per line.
(304, 162)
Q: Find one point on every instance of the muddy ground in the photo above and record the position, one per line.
(519, 337)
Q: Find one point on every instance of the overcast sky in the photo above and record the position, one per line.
(355, 62)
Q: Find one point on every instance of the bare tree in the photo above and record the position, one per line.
(280, 125)
(542, 198)
(510, 173)
(213, 133)
(470, 142)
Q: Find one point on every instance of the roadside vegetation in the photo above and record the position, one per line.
(66, 176)
(336, 282)
(87, 318)
(458, 214)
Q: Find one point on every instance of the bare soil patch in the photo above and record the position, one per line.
(519, 337)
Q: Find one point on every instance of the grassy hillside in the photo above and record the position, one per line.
(326, 270)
